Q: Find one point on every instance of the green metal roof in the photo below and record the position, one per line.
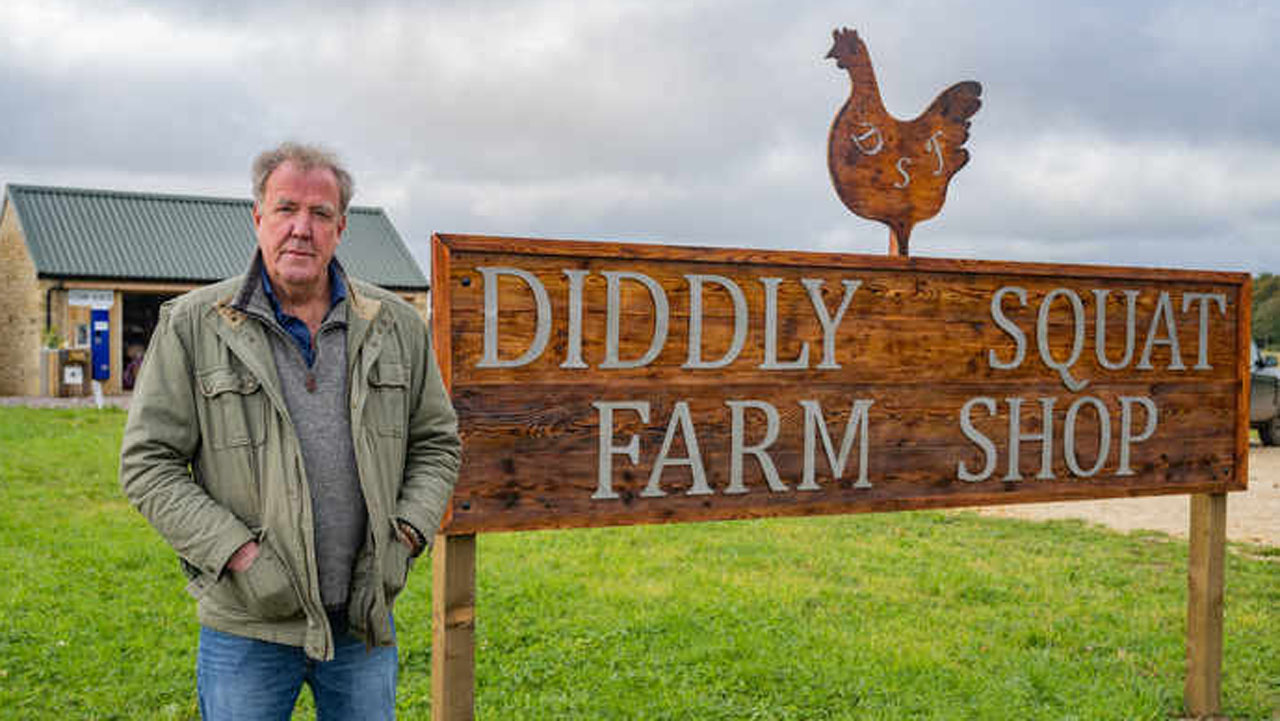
(80, 233)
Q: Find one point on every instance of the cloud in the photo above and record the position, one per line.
(1135, 133)
(1080, 184)
(57, 39)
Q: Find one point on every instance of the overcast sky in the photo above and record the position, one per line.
(1128, 133)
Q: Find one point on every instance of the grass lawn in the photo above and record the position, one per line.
(915, 615)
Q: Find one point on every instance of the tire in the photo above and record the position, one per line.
(1269, 432)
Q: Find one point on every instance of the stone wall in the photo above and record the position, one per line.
(21, 311)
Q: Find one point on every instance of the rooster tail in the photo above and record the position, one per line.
(957, 103)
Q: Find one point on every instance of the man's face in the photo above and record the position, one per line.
(299, 225)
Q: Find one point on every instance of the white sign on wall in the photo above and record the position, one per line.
(72, 375)
(96, 299)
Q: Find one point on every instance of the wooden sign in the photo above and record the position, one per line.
(600, 384)
(887, 169)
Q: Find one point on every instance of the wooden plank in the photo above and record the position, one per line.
(1207, 563)
(1244, 370)
(550, 468)
(453, 607)
(453, 558)
(442, 311)
(578, 249)
(947, 316)
(595, 387)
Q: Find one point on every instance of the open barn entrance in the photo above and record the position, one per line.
(140, 313)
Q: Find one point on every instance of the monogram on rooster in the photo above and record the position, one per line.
(887, 169)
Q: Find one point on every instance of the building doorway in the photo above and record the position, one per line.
(139, 316)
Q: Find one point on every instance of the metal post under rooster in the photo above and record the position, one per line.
(887, 169)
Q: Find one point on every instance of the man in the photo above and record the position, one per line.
(291, 438)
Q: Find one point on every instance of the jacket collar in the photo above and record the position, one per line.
(248, 297)
(337, 288)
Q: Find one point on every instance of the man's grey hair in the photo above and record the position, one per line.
(307, 157)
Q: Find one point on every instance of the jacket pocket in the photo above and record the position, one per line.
(236, 406)
(265, 587)
(388, 392)
(396, 562)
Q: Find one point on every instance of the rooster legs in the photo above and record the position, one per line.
(899, 239)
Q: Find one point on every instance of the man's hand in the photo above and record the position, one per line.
(243, 557)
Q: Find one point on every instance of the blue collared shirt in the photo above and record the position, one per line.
(293, 325)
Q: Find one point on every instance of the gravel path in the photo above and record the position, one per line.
(1253, 516)
(76, 402)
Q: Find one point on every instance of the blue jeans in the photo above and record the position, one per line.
(244, 679)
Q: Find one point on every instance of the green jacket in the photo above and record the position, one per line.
(211, 460)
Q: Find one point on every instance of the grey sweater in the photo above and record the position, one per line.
(318, 405)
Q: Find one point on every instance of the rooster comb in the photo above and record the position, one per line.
(845, 43)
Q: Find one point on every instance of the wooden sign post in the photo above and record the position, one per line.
(1207, 566)
(603, 384)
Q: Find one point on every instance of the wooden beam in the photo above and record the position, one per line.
(453, 623)
(1203, 694)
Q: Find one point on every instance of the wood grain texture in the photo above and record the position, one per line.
(917, 341)
(441, 311)
(1244, 339)
(587, 249)
(453, 613)
(1205, 588)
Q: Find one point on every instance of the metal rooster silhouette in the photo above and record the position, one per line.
(887, 169)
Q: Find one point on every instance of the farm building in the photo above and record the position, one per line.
(83, 274)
